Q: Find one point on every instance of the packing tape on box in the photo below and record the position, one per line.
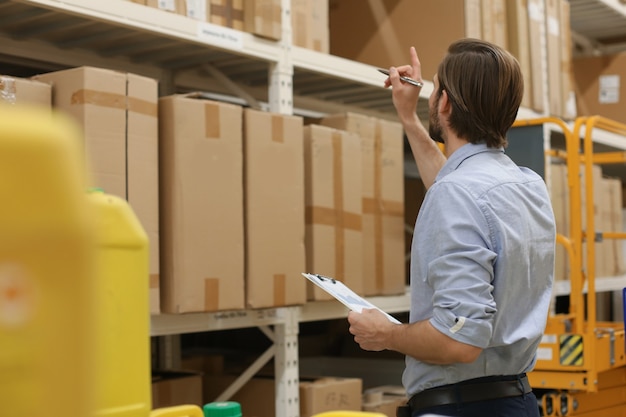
(211, 294)
(212, 128)
(280, 283)
(117, 101)
(226, 12)
(278, 128)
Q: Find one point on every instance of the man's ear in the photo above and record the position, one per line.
(444, 103)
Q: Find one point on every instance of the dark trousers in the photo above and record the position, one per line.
(523, 406)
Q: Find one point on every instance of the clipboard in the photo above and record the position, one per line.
(344, 294)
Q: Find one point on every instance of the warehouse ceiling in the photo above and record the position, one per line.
(598, 27)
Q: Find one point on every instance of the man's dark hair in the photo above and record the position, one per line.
(485, 86)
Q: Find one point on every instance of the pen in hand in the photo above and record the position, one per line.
(405, 79)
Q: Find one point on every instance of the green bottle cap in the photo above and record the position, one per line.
(98, 190)
(222, 409)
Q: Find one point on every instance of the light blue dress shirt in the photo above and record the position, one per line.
(482, 265)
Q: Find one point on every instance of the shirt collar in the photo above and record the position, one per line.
(466, 151)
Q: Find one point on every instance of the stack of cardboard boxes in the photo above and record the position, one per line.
(607, 209)
(387, 30)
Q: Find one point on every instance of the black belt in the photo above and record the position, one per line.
(480, 389)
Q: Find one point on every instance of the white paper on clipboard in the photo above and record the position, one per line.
(344, 294)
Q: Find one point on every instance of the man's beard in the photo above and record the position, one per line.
(434, 127)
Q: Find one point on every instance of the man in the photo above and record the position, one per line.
(482, 254)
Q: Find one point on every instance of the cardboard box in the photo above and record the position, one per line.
(258, 396)
(568, 95)
(118, 115)
(274, 209)
(318, 395)
(383, 200)
(310, 24)
(228, 13)
(559, 196)
(384, 399)
(172, 388)
(334, 208)
(536, 21)
(601, 86)
(263, 18)
(387, 29)
(596, 174)
(611, 221)
(553, 52)
(494, 22)
(202, 251)
(518, 43)
(15, 90)
(371, 371)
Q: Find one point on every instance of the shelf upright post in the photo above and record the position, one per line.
(281, 72)
(286, 363)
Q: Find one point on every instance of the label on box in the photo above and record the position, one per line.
(169, 5)
(220, 35)
(609, 89)
(196, 9)
(554, 28)
(535, 12)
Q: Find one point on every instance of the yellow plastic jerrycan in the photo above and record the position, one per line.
(123, 382)
(46, 269)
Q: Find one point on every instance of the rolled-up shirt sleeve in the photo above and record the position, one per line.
(461, 275)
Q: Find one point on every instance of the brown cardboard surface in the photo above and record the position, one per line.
(518, 43)
(334, 208)
(615, 224)
(596, 181)
(257, 397)
(559, 196)
(263, 18)
(228, 13)
(172, 388)
(601, 86)
(329, 394)
(568, 96)
(15, 90)
(201, 195)
(274, 209)
(536, 21)
(143, 167)
(553, 36)
(494, 22)
(310, 24)
(386, 30)
(96, 99)
(473, 19)
(383, 200)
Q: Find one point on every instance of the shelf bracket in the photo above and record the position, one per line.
(232, 86)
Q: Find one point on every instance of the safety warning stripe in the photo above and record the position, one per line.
(571, 350)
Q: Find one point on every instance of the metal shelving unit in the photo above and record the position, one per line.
(184, 55)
